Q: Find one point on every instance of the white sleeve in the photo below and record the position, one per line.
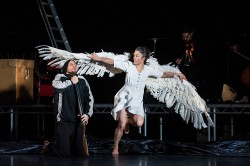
(58, 84)
(123, 65)
(156, 73)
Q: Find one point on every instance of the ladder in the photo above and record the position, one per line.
(53, 25)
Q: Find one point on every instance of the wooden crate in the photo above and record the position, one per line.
(16, 85)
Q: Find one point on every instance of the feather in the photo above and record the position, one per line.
(181, 95)
(187, 117)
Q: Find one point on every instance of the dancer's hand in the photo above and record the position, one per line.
(181, 76)
(94, 57)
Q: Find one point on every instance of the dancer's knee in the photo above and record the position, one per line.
(139, 123)
(122, 125)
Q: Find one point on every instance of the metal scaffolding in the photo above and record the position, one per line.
(158, 109)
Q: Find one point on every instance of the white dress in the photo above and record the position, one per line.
(130, 96)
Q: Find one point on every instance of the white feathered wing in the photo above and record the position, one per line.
(181, 95)
(171, 91)
(85, 65)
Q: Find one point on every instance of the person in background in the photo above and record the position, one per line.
(188, 57)
(238, 65)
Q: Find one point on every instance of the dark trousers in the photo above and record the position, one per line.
(69, 139)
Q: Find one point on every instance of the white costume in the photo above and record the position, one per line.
(130, 96)
(181, 95)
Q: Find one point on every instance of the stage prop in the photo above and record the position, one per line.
(16, 85)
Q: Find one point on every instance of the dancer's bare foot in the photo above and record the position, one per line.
(45, 146)
(115, 151)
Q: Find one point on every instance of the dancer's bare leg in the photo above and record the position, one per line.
(119, 131)
(136, 120)
(126, 130)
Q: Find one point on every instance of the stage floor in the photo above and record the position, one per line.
(123, 160)
(144, 152)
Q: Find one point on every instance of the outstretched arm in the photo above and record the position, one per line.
(172, 74)
(95, 57)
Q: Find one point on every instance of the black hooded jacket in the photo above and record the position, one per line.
(66, 100)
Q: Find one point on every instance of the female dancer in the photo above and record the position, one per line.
(128, 102)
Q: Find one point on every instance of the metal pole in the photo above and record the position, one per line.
(11, 123)
(145, 125)
(214, 110)
(16, 124)
(161, 127)
(140, 130)
(208, 130)
(232, 126)
(208, 134)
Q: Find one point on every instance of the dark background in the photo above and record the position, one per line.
(121, 26)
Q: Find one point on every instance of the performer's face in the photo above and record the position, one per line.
(72, 68)
(187, 37)
(138, 58)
